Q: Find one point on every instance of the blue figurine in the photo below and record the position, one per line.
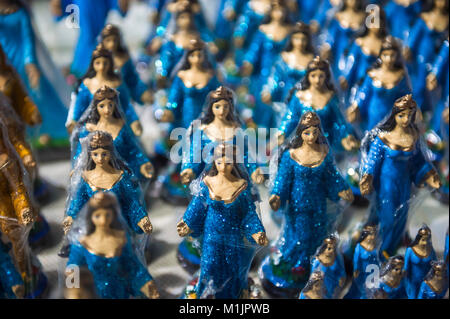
(435, 284)
(324, 14)
(316, 93)
(392, 163)
(98, 169)
(392, 282)
(329, 261)
(418, 259)
(422, 47)
(306, 180)
(224, 214)
(44, 83)
(315, 287)
(365, 260)
(100, 73)
(386, 81)
(92, 19)
(11, 283)
(446, 250)
(401, 16)
(307, 9)
(105, 114)
(105, 248)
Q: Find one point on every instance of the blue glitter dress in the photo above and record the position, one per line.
(400, 18)
(119, 277)
(307, 9)
(332, 275)
(416, 268)
(361, 260)
(226, 230)
(84, 98)
(20, 44)
(9, 277)
(398, 292)
(446, 252)
(93, 15)
(394, 172)
(304, 191)
(127, 192)
(224, 28)
(375, 101)
(132, 81)
(426, 292)
(334, 125)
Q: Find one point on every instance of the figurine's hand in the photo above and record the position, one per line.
(314, 26)
(356, 274)
(281, 138)
(246, 69)
(67, 223)
(343, 83)
(167, 117)
(147, 97)
(145, 225)
(19, 291)
(27, 216)
(213, 48)
(124, 5)
(147, 170)
(325, 51)
(71, 126)
(154, 46)
(56, 8)
(238, 42)
(33, 75)
(35, 118)
(445, 116)
(365, 185)
(431, 82)
(407, 54)
(257, 176)
(433, 179)
(261, 239)
(183, 229)
(275, 202)
(353, 113)
(347, 195)
(149, 290)
(136, 127)
(350, 143)
(266, 97)
(187, 176)
(29, 161)
(230, 14)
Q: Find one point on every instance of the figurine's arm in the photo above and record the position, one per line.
(335, 184)
(357, 262)
(440, 67)
(291, 118)
(282, 184)
(192, 163)
(253, 55)
(343, 131)
(134, 84)
(195, 215)
(422, 171)
(350, 69)
(29, 51)
(371, 166)
(132, 209)
(359, 106)
(175, 101)
(253, 228)
(23, 105)
(82, 101)
(272, 91)
(241, 29)
(413, 39)
(130, 113)
(166, 59)
(78, 200)
(252, 166)
(76, 255)
(133, 154)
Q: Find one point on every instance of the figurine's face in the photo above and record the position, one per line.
(371, 237)
(299, 41)
(106, 108)
(310, 135)
(440, 4)
(102, 218)
(424, 240)
(111, 43)
(100, 156)
(317, 78)
(184, 20)
(221, 109)
(329, 251)
(196, 58)
(388, 57)
(277, 14)
(397, 271)
(101, 65)
(224, 165)
(403, 118)
(351, 3)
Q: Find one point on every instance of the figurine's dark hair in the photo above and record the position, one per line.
(220, 151)
(430, 4)
(186, 65)
(268, 17)
(391, 263)
(315, 278)
(302, 30)
(212, 98)
(113, 30)
(297, 141)
(101, 52)
(389, 123)
(390, 43)
(367, 230)
(434, 265)
(423, 231)
(331, 239)
(359, 5)
(109, 203)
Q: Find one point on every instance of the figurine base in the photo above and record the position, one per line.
(188, 260)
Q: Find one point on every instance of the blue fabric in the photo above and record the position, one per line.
(332, 275)
(224, 228)
(400, 18)
(426, 292)
(394, 293)
(132, 81)
(416, 268)
(224, 28)
(307, 9)
(9, 277)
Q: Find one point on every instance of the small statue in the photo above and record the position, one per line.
(392, 283)
(315, 287)
(435, 284)
(401, 15)
(11, 283)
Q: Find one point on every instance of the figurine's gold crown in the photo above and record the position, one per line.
(390, 43)
(100, 139)
(301, 27)
(222, 92)
(110, 29)
(318, 63)
(331, 240)
(105, 92)
(196, 44)
(397, 261)
(317, 276)
(102, 199)
(370, 228)
(101, 51)
(425, 231)
(310, 119)
(406, 102)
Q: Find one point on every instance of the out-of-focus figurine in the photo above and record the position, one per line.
(394, 162)
(329, 261)
(446, 250)
(401, 15)
(44, 83)
(223, 212)
(11, 283)
(105, 248)
(315, 287)
(306, 179)
(392, 282)
(100, 73)
(435, 284)
(418, 259)
(365, 257)
(105, 115)
(92, 17)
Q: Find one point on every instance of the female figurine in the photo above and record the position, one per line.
(315, 287)
(341, 29)
(92, 19)
(11, 283)
(307, 178)
(100, 73)
(105, 115)
(224, 214)
(394, 162)
(316, 93)
(446, 250)
(386, 81)
(418, 259)
(364, 257)
(422, 46)
(330, 262)
(401, 15)
(392, 283)
(105, 249)
(44, 83)
(291, 65)
(435, 284)
(111, 39)
(99, 169)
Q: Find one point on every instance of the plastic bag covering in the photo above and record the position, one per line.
(392, 173)
(228, 225)
(392, 281)
(125, 186)
(120, 274)
(315, 287)
(127, 145)
(307, 188)
(17, 212)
